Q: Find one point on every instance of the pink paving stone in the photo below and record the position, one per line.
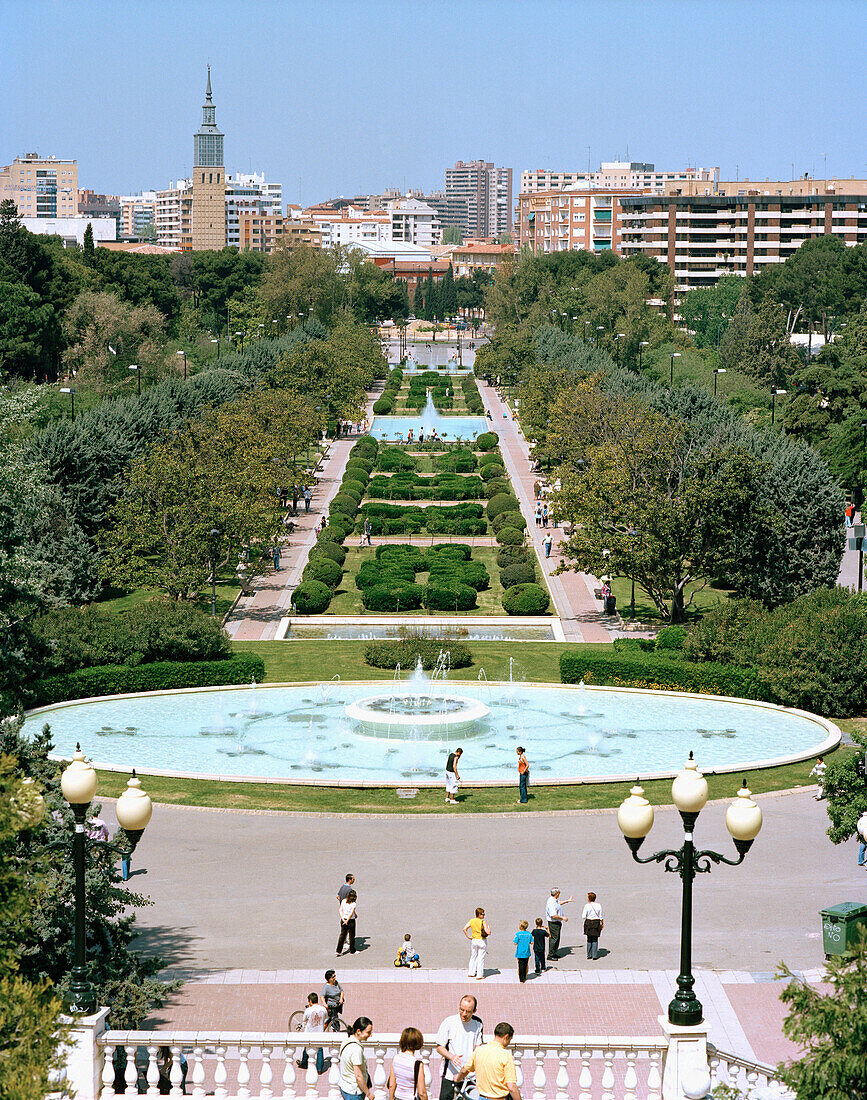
(761, 1013)
(535, 1008)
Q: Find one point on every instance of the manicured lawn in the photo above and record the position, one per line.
(591, 796)
(117, 604)
(645, 608)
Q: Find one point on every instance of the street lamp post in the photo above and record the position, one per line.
(775, 393)
(183, 352)
(213, 537)
(137, 369)
(689, 793)
(586, 327)
(216, 340)
(240, 337)
(717, 371)
(599, 328)
(71, 391)
(674, 355)
(641, 345)
(78, 783)
(620, 336)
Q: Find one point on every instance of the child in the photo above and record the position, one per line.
(523, 940)
(406, 956)
(539, 934)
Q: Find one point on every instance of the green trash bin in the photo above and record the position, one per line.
(840, 926)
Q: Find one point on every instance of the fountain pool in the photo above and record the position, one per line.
(316, 733)
(449, 428)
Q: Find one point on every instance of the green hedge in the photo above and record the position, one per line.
(408, 650)
(487, 441)
(461, 460)
(510, 536)
(331, 550)
(323, 569)
(520, 572)
(446, 595)
(393, 597)
(509, 519)
(396, 459)
(526, 599)
(241, 668)
(653, 671)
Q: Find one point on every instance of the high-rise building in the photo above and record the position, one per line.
(613, 175)
(139, 214)
(208, 215)
(479, 198)
(414, 221)
(41, 187)
(578, 218)
(249, 196)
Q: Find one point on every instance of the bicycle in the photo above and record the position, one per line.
(334, 1023)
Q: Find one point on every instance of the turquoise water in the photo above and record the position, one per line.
(302, 732)
(450, 428)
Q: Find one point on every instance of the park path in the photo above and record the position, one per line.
(579, 611)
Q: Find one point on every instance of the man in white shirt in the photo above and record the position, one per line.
(315, 1016)
(555, 918)
(457, 1038)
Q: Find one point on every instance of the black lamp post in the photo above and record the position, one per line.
(78, 783)
(586, 328)
(642, 344)
(137, 369)
(216, 340)
(213, 538)
(775, 392)
(717, 371)
(599, 328)
(689, 794)
(182, 352)
(71, 391)
(674, 355)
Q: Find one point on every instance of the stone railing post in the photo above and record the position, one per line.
(84, 1060)
(687, 1054)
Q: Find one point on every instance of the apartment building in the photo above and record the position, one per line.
(414, 221)
(742, 227)
(138, 214)
(93, 205)
(259, 232)
(41, 187)
(471, 256)
(251, 197)
(614, 175)
(349, 225)
(173, 216)
(300, 231)
(478, 198)
(581, 218)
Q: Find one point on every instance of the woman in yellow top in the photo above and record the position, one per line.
(477, 932)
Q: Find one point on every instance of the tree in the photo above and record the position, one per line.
(452, 234)
(448, 294)
(303, 281)
(87, 249)
(707, 311)
(105, 334)
(645, 498)
(28, 330)
(220, 473)
(829, 1027)
(846, 786)
(31, 1032)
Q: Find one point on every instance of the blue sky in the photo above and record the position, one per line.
(336, 98)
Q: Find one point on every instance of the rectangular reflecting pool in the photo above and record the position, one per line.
(298, 630)
(394, 428)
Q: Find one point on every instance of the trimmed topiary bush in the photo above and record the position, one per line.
(509, 519)
(487, 441)
(496, 486)
(510, 536)
(526, 599)
(502, 502)
(396, 458)
(521, 572)
(510, 555)
(344, 504)
(671, 637)
(357, 473)
(393, 597)
(441, 595)
(333, 533)
(492, 470)
(490, 458)
(311, 598)
(323, 569)
(331, 550)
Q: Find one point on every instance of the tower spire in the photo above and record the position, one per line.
(208, 89)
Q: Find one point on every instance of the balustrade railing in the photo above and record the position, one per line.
(262, 1066)
(753, 1080)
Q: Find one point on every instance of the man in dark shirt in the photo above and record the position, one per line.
(453, 777)
(348, 885)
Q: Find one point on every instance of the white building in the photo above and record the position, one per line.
(71, 230)
(612, 176)
(350, 225)
(138, 212)
(394, 252)
(248, 193)
(415, 222)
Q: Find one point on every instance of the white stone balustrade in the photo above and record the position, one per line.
(261, 1066)
(753, 1080)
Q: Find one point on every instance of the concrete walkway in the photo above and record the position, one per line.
(573, 593)
(244, 908)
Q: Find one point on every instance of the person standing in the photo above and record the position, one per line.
(592, 916)
(538, 513)
(453, 777)
(523, 942)
(368, 530)
(556, 919)
(494, 1067)
(819, 771)
(315, 1016)
(545, 514)
(539, 934)
(523, 776)
(306, 498)
(548, 542)
(406, 1079)
(457, 1038)
(294, 500)
(348, 914)
(353, 1080)
(332, 996)
(477, 931)
(348, 884)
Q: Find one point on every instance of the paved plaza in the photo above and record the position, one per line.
(245, 910)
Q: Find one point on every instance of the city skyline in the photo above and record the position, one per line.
(343, 99)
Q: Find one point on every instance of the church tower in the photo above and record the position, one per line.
(208, 217)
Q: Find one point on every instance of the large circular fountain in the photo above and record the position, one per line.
(376, 734)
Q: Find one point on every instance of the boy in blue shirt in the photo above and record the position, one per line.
(523, 941)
